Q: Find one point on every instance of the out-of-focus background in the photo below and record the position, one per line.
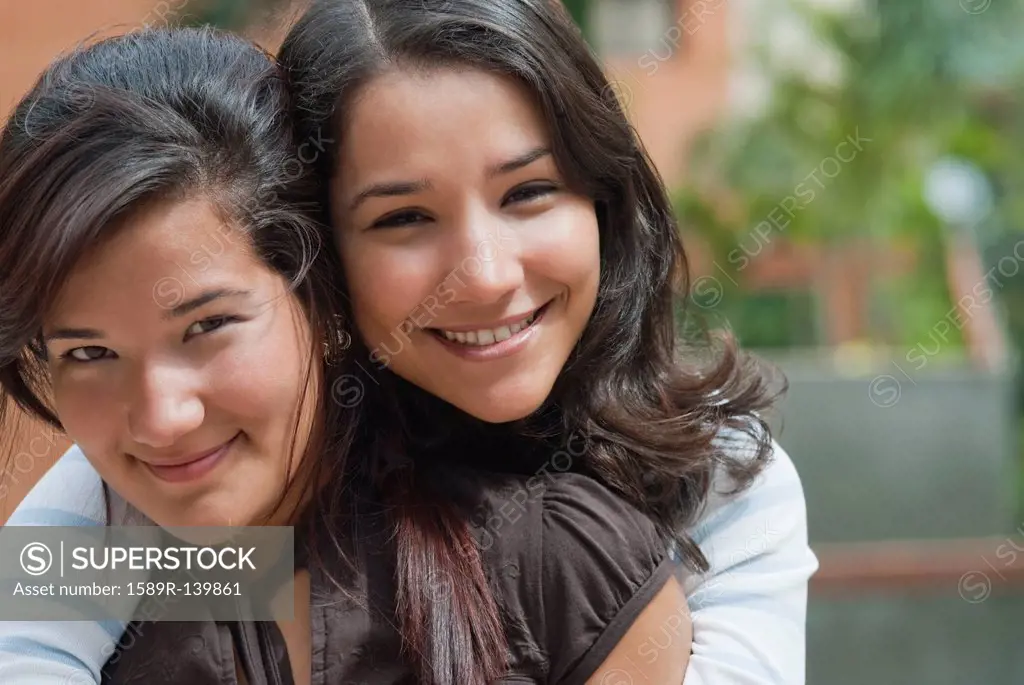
(847, 176)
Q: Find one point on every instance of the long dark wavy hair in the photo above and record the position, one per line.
(651, 407)
(157, 115)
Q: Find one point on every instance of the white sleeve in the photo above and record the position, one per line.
(749, 609)
(69, 494)
(60, 652)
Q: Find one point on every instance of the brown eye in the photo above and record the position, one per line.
(88, 353)
(529, 193)
(208, 325)
(400, 220)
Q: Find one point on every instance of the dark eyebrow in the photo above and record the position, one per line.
(397, 188)
(204, 299)
(73, 334)
(388, 190)
(519, 162)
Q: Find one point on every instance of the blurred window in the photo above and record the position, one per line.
(628, 27)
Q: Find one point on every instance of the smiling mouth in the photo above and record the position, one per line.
(195, 468)
(484, 337)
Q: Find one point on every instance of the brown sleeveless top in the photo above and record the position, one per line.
(570, 564)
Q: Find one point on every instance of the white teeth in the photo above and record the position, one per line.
(489, 336)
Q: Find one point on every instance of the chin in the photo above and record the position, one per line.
(193, 521)
(196, 515)
(503, 407)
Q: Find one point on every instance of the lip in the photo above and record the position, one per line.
(192, 467)
(496, 324)
(505, 348)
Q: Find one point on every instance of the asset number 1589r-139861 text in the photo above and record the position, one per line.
(192, 589)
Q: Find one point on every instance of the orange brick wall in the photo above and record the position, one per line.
(33, 32)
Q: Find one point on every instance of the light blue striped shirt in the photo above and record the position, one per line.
(749, 610)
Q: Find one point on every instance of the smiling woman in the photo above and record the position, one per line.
(486, 179)
(114, 332)
(166, 302)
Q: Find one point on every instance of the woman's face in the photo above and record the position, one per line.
(178, 360)
(471, 268)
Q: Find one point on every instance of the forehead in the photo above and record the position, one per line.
(409, 115)
(175, 247)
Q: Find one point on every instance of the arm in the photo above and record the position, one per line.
(749, 610)
(657, 647)
(65, 652)
(609, 610)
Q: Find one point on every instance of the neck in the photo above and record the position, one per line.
(433, 430)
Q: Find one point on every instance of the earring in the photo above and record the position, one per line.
(338, 340)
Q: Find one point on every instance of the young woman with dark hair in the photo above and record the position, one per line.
(481, 154)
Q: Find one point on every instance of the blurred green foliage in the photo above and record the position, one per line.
(227, 14)
(921, 81)
(578, 9)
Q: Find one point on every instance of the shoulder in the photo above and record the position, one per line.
(568, 513)
(71, 493)
(572, 564)
(774, 499)
(749, 608)
(585, 526)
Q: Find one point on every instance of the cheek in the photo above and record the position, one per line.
(259, 382)
(90, 413)
(387, 283)
(567, 251)
(94, 417)
(585, 258)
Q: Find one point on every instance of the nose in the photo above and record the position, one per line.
(486, 263)
(163, 406)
